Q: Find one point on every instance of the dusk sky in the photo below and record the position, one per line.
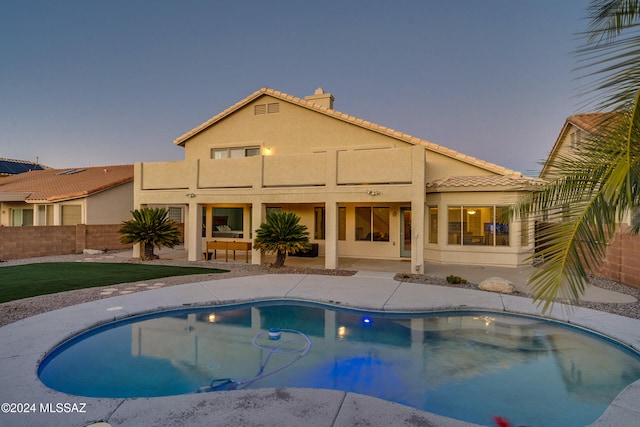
(93, 83)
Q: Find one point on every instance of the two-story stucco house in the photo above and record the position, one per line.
(363, 190)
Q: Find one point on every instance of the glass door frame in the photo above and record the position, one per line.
(405, 228)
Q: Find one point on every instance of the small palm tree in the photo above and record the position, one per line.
(282, 233)
(150, 227)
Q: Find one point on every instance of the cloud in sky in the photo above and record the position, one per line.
(98, 83)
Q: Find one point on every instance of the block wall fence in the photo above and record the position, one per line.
(38, 241)
(621, 261)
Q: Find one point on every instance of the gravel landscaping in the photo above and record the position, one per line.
(15, 310)
(628, 310)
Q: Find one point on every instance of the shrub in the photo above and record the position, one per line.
(455, 280)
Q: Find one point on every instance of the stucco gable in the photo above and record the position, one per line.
(586, 122)
(353, 120)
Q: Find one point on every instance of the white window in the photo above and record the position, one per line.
(478, 225)
(234, 152)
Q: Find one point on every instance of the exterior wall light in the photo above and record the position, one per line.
(191, 195)
(373, 192)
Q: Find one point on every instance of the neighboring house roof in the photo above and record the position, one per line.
(13, 166)
(54, 185)
(587, 122)
(484, 183)
(349, 119)
(590, 122)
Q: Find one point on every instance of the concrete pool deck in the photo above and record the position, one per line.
(24, 343)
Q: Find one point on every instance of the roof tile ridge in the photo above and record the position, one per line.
(351, 119)
(64, 196)
(223, 113)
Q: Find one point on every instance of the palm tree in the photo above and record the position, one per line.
(282, 233)
(151, 227)
(598, 185)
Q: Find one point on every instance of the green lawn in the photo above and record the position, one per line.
(23, 281)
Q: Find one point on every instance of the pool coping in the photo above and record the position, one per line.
(24, 343)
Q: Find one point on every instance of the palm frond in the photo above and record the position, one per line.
(597, 184)
(609, 57)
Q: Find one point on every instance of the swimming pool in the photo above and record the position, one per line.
(464, 365)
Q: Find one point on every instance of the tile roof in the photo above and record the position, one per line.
(590, 122)
(54, 185)
(499, 182)
(13, 166)
(349, 119)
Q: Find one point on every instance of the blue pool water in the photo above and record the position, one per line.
(465, 365)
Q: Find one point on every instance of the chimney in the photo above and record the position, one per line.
(321, 98)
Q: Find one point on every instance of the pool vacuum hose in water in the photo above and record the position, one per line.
(282, 346)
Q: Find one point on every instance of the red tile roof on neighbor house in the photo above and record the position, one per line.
(590, 122)
(54, 185)
(586, 122)
(349, 119)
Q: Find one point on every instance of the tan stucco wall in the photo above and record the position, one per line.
(441, 166)
(562, 148)
(112, 206)
(293, 130)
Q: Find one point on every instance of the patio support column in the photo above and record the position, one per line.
(331, 212)
(208, 221)
(193, 231)
(137, 189)
(417, 240)
(331, 235)
(418, 207)
(258, 215)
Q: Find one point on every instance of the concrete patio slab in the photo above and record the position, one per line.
(624, 411)
(260, 407)
(254, 287)
(359, 410)
(24, 343)
(351, 291)
(413, 296)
